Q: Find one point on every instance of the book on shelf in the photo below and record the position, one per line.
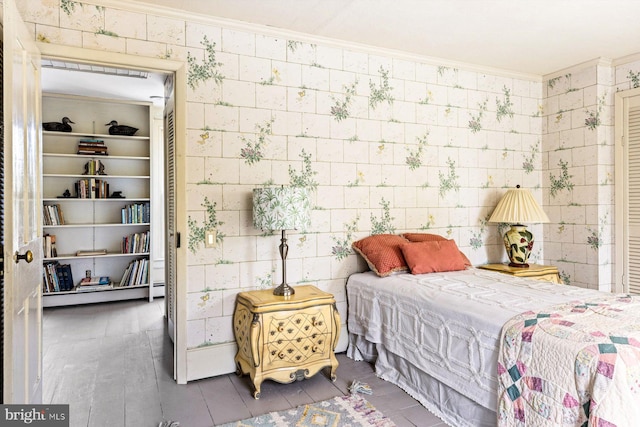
(136, 243)
(94, 167)
(49, 246)
(52, 214)
(95, 280)
(92, 188)
(136, 273)
(93, 288)
(91, 252)
(57, 277)
(92, 146)
(136, 213)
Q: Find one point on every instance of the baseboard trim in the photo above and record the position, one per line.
(211, 361)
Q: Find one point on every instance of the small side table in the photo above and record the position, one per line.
(285, 338)
(535, 271)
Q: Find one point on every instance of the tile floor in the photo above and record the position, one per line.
(112, 363)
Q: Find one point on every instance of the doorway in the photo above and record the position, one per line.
(102, 81)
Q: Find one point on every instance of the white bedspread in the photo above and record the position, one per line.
(448, 324)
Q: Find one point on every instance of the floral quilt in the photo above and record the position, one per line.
(577, 364)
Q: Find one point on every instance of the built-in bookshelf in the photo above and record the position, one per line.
(96, 201)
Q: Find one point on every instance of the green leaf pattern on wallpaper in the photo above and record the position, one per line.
(253, 152)
(475, 124)
(563, 181)
(340, 109)
(305, 177)
(431, 221)
(384, 224)
(635, 79)
(414, 158)
(476, 240)
(505, 107)
(527, 165)
(594, 239)
(209, 69)
(382, 93)
(342, 247)
(68, 6)
(593, 116)
(448, 181)
(102, 31)
(197, 233)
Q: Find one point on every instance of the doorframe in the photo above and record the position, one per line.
(179, 69)
(621, 190)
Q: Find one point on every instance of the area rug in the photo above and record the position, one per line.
(342, 411)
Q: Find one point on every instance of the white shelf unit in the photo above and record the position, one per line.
(96, 223)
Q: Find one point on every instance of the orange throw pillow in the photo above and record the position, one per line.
(382, 252)
(433, 256)
(427, 237)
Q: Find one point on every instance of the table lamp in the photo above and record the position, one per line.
(516, 207)
(281, 208)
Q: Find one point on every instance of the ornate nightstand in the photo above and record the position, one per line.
(535, 271)
(285, 338)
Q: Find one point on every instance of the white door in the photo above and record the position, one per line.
(22, 362)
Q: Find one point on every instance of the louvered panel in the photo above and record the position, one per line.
(171, 220)
(633, 199)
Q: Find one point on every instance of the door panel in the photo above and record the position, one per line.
(22, 329)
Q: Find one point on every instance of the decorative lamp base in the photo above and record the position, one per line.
(284, 290)
(518, 242)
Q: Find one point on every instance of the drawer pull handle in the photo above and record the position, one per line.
(281, 355)
(314, 348)
(280, 328)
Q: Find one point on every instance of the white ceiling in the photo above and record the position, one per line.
(533, 37)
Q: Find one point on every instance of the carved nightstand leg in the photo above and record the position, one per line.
(256, 392)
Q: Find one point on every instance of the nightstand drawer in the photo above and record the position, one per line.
(296, 324)
(298, 351)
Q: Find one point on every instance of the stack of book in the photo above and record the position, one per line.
(136, 274)
(92, 188)
(97, 283)
(57, 277)
(136, 243)
(49, 246)
(52, 215)
(93, 147)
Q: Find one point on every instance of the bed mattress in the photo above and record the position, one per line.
(446, 326)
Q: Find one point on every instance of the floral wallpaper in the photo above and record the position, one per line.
(383, 144)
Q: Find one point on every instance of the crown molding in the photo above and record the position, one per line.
(604, 62)
(626, 59)
(139, 7)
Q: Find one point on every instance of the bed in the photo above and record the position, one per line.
(441, 337)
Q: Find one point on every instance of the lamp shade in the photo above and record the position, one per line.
(518, 206)
(281, 208)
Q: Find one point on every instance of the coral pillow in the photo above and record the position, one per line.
(382, 252)
(433, 256)
(422, 237)
(427, 237)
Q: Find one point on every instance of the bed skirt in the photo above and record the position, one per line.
(452, 407)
